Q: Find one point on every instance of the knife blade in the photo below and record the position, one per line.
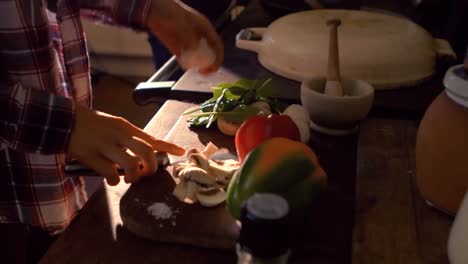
(75, 168)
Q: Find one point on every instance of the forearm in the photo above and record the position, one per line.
(34, 120)
(131, 13)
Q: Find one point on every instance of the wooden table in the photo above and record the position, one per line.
(391, 223)
(97, 234)
(378, 216)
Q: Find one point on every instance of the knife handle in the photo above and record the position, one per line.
(81, 170)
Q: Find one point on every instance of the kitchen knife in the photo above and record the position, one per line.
(75, 168)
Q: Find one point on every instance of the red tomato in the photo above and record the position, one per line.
(258, 128)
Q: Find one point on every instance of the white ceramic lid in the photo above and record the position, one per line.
(385, 50)
(456, 85)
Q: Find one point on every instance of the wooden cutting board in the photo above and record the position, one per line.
(321, 232)
(191, 224)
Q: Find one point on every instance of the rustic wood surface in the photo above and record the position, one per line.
(193, 224)
(216, 229)
(392, 222)
(98, 236)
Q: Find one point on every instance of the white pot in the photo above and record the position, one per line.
(458, 239)
(336, 115)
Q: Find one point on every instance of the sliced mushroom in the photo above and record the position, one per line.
(304, 131)
(198, 175)
(178, 167)
(222, 173)
(300, 117)
(203, 179)
(297, 112)
(205, 189)
(209, 150)
(211, 199)
(180, 191)
(228, 163)
(192, 189)
(199, 160)
(192, 150)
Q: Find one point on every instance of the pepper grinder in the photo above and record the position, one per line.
(263, 237)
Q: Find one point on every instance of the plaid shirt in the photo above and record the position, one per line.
(44, 73)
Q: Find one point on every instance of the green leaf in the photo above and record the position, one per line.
(278, 106)
(248, 97)
(208, 105)
(217, 91)
(266, 89)
(198, 120)
(225, 85)
(227, 105)
(230, 96)
(246, 84)
(275, 105)
(236, 91)
(233, 92)
(231, 100)
(215, 108)
(240, 113)
(211, 100)
(191, 110)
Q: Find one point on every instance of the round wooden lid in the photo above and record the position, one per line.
(387, 51)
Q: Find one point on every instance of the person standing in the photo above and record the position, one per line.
(46, 115)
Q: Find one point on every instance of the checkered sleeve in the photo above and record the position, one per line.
(35, 120)
(131, 13)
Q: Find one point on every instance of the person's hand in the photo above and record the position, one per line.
(106, 143)
(180, 27)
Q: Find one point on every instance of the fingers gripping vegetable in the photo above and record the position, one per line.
(257, 129)
(279, 165)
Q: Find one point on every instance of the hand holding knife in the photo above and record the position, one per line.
(75, 168)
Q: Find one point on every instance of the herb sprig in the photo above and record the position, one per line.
(232, 102)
